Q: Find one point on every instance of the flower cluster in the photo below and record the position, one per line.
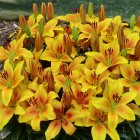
(72, 70)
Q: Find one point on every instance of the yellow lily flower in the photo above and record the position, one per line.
(15, 50)
(80, 100)
(40, 108)
(90, 32)
(29, 26)
(130, 40)
(55, 53)
(20, 94)
(63, 120)
(90, 80)
(131, 74)
(108, 56)
(114, 101)
(33, 23)
(68, 74)
(50, 27)
(9, 79)
(99, 122)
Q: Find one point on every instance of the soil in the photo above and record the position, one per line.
(6, 28)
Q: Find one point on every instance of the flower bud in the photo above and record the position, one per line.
(43, 10)
(38, 42)
(90, 9)
(137, 51)
(35, 9)
(101, 13)
(132, 21)
(121, 37)
(22, 21)
(67, 44)
(50, 11)
(49, 78)
(67, 99)
(75, 33)
(41, 26)
(33, 69)
(138, 21)
(82, 14)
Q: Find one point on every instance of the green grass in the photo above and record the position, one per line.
(125, 8)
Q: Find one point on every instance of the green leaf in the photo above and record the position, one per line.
(132, 128)
(125, 136)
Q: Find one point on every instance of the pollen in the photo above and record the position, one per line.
(4, 75)
(116, 97)
(109, 51)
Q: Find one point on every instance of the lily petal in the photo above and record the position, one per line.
(112, 119)
(53, 129)
(68, 127)
(3, 54)
(5, 116)
(7, 95)
(48, 113)
(96, 55)
(135, 108)
(98, 132)
(119, 60)
(26, 53)
(126, 112)
(41, 94)
(17, 77)
(102, 104)
(30, 113)
(8, 67)
(26, 94)
(55, 65)
(127, 71)
(113, 134)
(2, 83)
(101, 67)
(127, 97)
(19, 110)
(35, 123)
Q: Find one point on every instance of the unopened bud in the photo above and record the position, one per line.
(35, 10)
(82, 14)
(41, 26)
(67, 99)
(121, 37)
(22, 21)
(50, 11)
(137, 51)
(67, 44)
(38, 42)
(33, 69)
(50, 81)
(132, 21)
(90, 9)
(43, 10)
(138, 21)
(101, 13)
(75, 33)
